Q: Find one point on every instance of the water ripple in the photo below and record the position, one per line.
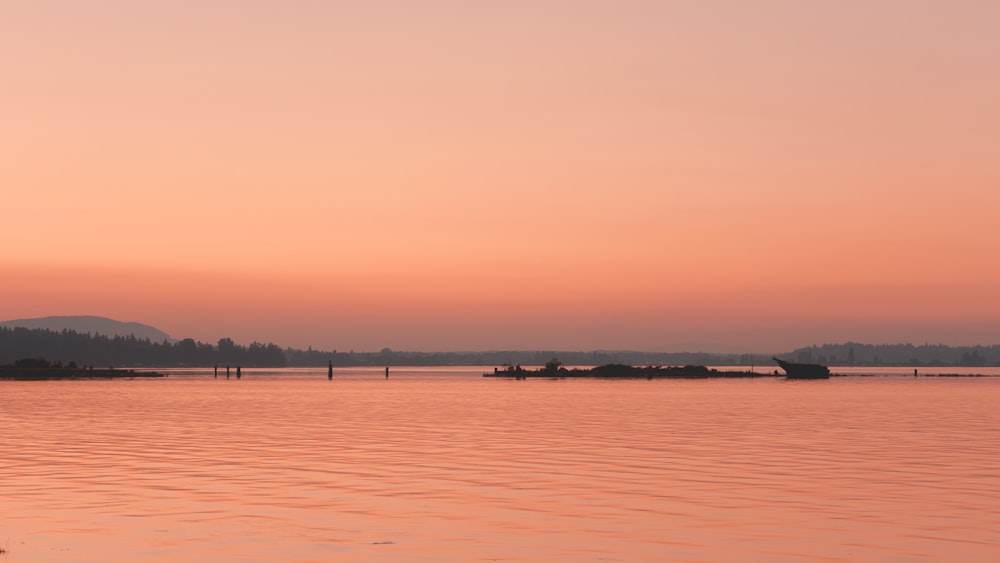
(458, 468)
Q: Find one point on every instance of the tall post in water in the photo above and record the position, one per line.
(238, 374)
(329, 370)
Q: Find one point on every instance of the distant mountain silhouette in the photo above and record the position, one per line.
(92, 325)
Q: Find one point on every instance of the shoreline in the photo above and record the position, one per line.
(621, 371)
(55, 374)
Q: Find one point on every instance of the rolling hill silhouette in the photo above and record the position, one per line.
(92, 325)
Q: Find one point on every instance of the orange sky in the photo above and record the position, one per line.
(465, 175)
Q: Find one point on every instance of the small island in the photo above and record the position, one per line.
(40, 369)
(554, 369)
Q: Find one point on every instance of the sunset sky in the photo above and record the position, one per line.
(454, 175)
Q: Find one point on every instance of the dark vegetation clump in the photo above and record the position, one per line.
(554, 368)
(32, 363)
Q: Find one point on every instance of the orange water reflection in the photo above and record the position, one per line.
(460, 468)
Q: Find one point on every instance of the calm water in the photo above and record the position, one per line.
(437, 465)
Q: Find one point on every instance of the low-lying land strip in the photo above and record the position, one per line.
(39, 369)
(621, 371)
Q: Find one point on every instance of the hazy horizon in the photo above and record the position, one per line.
(97, 324)
(658, 176)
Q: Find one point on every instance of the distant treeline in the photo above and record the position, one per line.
(104, 351)
(388, 357)
(855, 354)
(119, 351)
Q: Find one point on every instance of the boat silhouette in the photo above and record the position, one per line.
(803, 371)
